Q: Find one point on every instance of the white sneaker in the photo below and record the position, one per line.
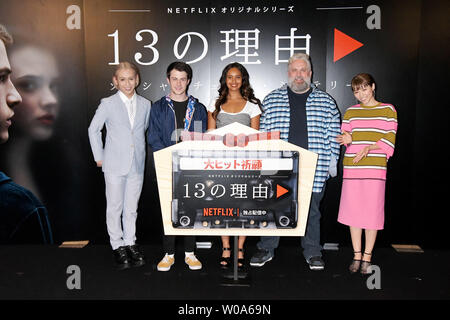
(166, 263)
(192, 261)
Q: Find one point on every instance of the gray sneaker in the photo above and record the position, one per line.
(260, 258)
(316, 263)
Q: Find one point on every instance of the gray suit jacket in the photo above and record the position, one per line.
(121, 140)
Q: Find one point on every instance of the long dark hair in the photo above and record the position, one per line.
(246, 89)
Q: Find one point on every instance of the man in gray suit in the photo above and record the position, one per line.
(122, 159)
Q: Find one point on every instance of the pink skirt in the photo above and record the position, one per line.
(362, 203)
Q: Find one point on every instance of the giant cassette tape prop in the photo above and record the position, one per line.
(235, 181)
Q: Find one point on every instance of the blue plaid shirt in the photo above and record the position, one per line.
(323, 121)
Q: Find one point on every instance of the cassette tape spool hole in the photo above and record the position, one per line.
(284, 221)
(184, 221)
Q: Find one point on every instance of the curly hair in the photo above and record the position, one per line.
(246, 90)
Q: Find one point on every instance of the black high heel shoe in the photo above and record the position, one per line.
(365, 265)
(225, 262)
(356, 263)
(241, 260)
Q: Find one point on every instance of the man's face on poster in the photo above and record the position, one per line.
(9, 96)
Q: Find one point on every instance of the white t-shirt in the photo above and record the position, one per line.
(250, 108)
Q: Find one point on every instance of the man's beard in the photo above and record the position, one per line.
(301, 87)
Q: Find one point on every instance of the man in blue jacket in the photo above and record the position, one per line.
(169, 116)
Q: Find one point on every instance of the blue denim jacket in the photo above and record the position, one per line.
(22, 215)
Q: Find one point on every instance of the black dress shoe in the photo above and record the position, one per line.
(122, 259)
(137, 258)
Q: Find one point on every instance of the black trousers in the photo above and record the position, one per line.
(169, 243)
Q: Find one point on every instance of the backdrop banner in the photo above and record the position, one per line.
(64, 53)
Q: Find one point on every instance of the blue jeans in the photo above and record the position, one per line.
(311, 241)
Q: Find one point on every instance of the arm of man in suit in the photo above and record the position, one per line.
(147, 115)
(95, 133)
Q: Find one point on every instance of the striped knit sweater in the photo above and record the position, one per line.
(369, 125)
(323, 121)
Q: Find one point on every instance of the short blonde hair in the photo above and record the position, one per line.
(126, 65)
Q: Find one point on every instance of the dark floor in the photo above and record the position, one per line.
(40, 272)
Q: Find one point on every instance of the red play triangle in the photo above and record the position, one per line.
(281, 190)
(343, 44)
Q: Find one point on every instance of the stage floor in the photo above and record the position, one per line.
(41, 272)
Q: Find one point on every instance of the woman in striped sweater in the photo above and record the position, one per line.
(368, 132)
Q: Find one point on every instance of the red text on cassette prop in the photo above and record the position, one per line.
(234, 188)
